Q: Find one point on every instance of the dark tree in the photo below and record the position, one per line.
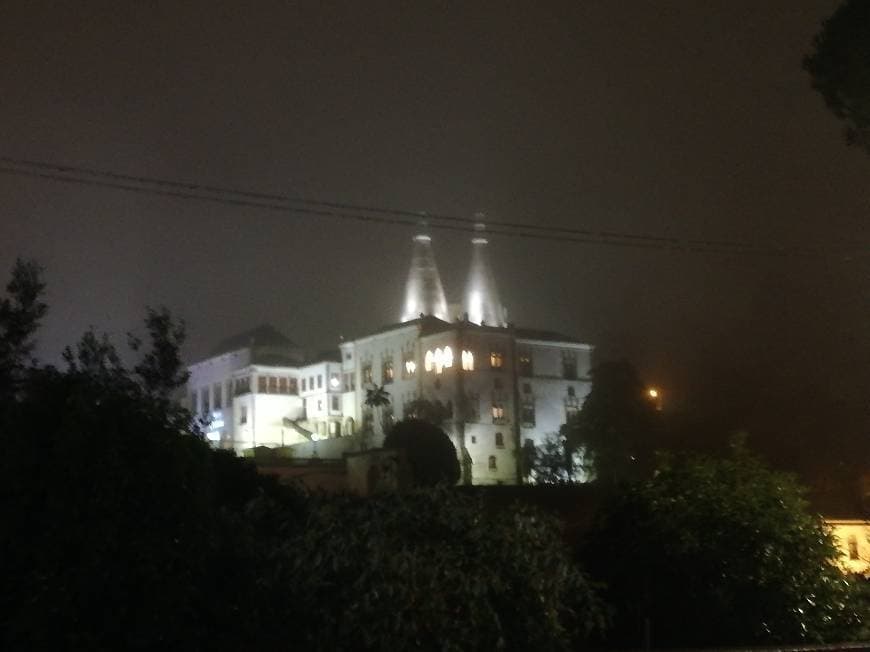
(618, 427)
(429, 570)
(431, 455)
(840, 68)
(20, 314)
(719, 552)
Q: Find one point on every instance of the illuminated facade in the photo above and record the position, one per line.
(500, 385)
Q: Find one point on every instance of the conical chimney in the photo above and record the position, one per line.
(424, 293)
(482, 302)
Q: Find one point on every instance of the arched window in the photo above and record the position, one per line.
(428, 360)
(492, 463)
(348, 426)
(499, 440)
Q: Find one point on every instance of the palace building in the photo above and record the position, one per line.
(499, 387)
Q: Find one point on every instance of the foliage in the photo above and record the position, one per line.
(430, 453)
(552, 461)
(618, 427)
(720, 552)
(840, 68)
(20, 314)
(428, 570)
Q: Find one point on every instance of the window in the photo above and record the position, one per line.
(335, 404)
(367, 373)
(228, 393)
(193, 402)
(492, 463)
(473, 439)
(243, 415)
(496, 359)
(243, 385)
(853, 547)
(261, 384)
(273, 384)
(527, 414)
(320, 405)
(497, 413)
(571, 391)
(204, 403)
(499, 440)
(467, 361)
(439, 360)
(310, 383)
(304, 386)
(282, 385)
(218, 402)
(472, 408)
(527, 388)
(347, 356)
(293, 387)
(569, 365)
(497, 383)
(572, 404)
(333, 428)
(334, 381)
(319, 381)
(387, 370)
(410, 368)
(526, 363)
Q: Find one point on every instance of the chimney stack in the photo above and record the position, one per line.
(482, 302)
(424, 294)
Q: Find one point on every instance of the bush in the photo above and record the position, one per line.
(430, 453)
(719, 552)
(425, 570)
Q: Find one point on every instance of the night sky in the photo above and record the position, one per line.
(690, 119)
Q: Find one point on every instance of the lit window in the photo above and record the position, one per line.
(492, 463)
(448, 357)
(497, 412)
(429, 361)
(410, 367)
(853, 547)
(467, 361)
(387, 373)
(499, 440)
(496, 359)
(334, 382)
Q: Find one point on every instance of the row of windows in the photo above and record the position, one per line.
(499, 440)
(439, 359)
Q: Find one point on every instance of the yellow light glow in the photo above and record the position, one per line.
(653, 392)
(467, 361)
(410, 367)
(428, 360)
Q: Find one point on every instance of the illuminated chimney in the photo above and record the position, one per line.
(424, 292)
(481, 296)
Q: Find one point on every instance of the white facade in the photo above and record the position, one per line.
(501, 386)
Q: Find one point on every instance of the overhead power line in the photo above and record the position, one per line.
(346, 211)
